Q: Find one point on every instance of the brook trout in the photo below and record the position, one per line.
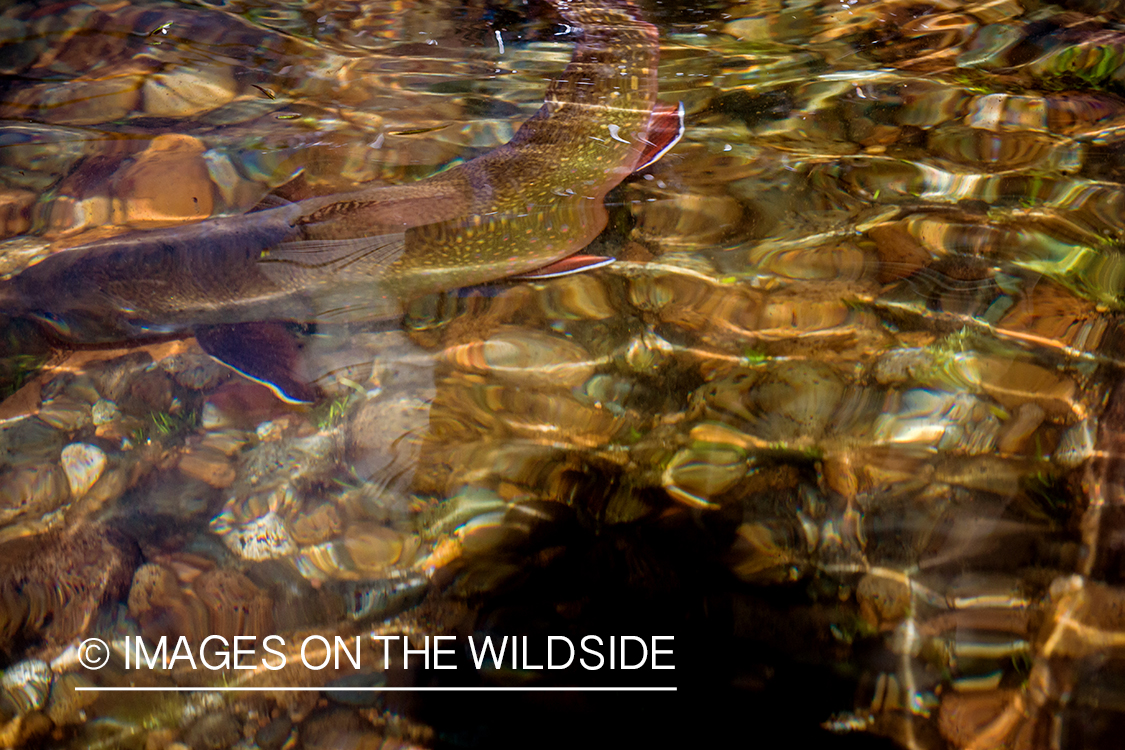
(526, 205)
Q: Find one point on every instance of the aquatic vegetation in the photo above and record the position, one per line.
(331, 412)
(17, 370)
(161, 425)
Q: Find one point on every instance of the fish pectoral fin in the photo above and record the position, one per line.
(267, 352)
(665, 129)
(567, 266)
(353, 254)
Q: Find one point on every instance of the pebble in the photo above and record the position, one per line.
(65, 704)
(104, 412)
(184, 92)
(31, 439)
(30, 493)
(316, 526)
(528, 357)
(193, 369)
(1077, 444)
(83, 464)
(208, 465)
(373, 548)
(275, 735)
(92, 101)
(27, 684)
(65, 414)
(149, 391)
(235, 605)
(261, 538)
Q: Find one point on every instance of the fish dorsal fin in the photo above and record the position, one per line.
(665, 129)
(267, 352)
(270, 201)
(377, 251)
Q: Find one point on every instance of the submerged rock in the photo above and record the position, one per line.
(56, 583)
(83, 465)
(142, 190)
(850, 387)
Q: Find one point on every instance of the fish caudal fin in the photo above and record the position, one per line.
(268, 353)
(566, 267)
(665, 129)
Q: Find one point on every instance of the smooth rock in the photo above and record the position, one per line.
(262, 538)
(184, 91)
(31, 492)
(26, 684)
(208, 465)
(83, 464)
(65, 704)
(144, 194)
(65, 414)
(104, 412)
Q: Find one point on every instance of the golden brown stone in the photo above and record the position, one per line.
(145, 196)
(15, 211)
(183, 92)
(208, 465)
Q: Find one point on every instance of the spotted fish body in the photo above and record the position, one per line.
(525, 204)
(355, 256)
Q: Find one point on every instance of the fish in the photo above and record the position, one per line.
(247, 286)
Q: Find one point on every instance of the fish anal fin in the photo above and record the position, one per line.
(566, 267)
(265, 352)
(665, 128)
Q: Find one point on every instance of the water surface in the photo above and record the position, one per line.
(842, 417)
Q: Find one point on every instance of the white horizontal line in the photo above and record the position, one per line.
(381, 689)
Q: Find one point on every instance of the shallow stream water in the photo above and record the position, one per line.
(841, 418)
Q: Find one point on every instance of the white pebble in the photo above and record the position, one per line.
(83, 465)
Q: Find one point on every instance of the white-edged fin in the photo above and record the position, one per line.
(665, 129)
(566, 267)
(268, 353)
(274, 389)
(334, 255)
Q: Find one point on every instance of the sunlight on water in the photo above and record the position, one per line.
(839, 421)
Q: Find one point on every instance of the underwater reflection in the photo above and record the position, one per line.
(841, 418)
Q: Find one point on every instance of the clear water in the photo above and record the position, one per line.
(841, 418)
